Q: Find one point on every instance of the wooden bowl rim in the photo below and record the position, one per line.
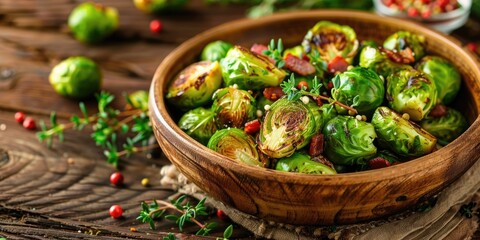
(406, 168)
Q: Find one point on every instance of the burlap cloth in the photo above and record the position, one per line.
(443, 221)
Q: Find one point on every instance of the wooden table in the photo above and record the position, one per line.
(64, 192)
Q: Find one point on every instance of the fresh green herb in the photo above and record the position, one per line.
(467, 210)
(275, 52)
(170, 236)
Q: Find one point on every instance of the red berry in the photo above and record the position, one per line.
(116, 178)
(19, 117)
(388, 3)
(412, 12)
(116, 211)
(427, 13)
(156, 26)
(29, 123)
(221, 214)
(302, 84)
(471, 46)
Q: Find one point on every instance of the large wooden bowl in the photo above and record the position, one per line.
(316, 199)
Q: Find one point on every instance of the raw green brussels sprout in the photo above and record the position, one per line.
(301, 163)
(138, 100)
(76, 77)
(156, 6)
(447, 127)
(198, 123)
(376, 60)
(92, 22)
(215, 51)
(250, 70)
(233, 107)
(403, 137)
(360, 88)
(195, 85)
(287, 126)
(236, 144)
(331, 40)
(402, 41)
(412, 92)
(349, 141)
(446, 77)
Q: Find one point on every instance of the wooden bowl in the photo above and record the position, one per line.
(316, 199)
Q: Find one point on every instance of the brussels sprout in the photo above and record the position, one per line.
(138, 100)
(215, 51)
(92, 22)
(446, 77)
(322, 114)
(364, 44)
(331, 40)
(412, 92)
(403, 137)
(236, 144)
(447, 127)
(376, 60)
(406, 44)
(301, 163)
(195, 85)
(198, 123)
(360, 88)
(250, 70)
(156, 6)
(349, 141)
(287, 126)
(76, 77)
(233, 107)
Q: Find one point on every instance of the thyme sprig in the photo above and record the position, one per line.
(275, 52)
(293, 93)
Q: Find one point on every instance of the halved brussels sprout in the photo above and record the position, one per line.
(287, 126)
(233, 107)
(360, 88)
(331, 40)
(92, 22)
(349, 141)
(215, 51)
(250, 70)
(407, 44)
(301, 163)
(412, 92)
(403, 137)
(198, 123)
(236, 144)
(447, 127)
(446, 77)
(376, 60)
(194, 86)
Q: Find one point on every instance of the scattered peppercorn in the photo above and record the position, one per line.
(116, 211)
(29, 123)
(156, 26)
(145, 182)
(116, 178)
(19, 117)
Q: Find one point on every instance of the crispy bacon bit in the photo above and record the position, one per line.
(273, 93)
(378, 162)
(298, 65)
(258, 48)
(252, 127)
(439, 110)
(338, 64)
(316, 145)
(405, 56)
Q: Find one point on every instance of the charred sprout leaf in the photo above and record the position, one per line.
(446, 77)
(215, 51)
(301, 163)
(199, 123)
(250, 70)
(360, 88)
(91, 22)
(401, 136)
(195, 85)
(349, 141)
(331, 40)
(376, 60)
(288, 126)
(275, 52)
(235, 144)
(447, 127)
(412, 92)
(406, 43)
(233, 107)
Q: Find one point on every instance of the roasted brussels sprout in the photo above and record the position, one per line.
(446, 128)
(233, 107)
(360, 88)
(287, 126)
(322, 114)
(198, 123)
(156, 6)
(331, 40)
(138, 100)
(376, 60)
(236, 144)
(349, 141)
(412, 92)
(301, 163)
(403, 137)
(215, 51)
(195, 85)
(250, 70)
(92, 22)
(446, 77)
(409, 45)
(76, 77)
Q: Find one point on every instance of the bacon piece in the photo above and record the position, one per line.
(298, 65)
